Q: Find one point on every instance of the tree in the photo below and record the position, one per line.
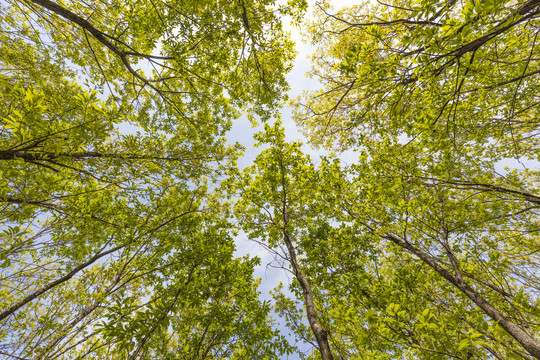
(112, 243)
(434, 96)
(272, 199)
(117, 235)
(392, 264)
(478, 244)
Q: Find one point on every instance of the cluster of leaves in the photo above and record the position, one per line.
(397, 262)
(111, 142)
(424, 247)
(461, 72)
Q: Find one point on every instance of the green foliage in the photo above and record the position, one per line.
(434, 97)
(111, 144)
(120, 196)
(374, 298)
(455, 73)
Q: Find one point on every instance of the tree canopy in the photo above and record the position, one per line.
(122, 201)
(440, 103)
(113, 117)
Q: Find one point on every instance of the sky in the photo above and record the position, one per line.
(269, 272)
(299, 82)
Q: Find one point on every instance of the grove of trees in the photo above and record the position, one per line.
(121, 197)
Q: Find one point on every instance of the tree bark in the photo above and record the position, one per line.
(85, 155)
(526, 340)
(320, 334)
(59, 281)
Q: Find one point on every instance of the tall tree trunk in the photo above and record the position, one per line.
(521, 336)
(319, 332)
(4, 314)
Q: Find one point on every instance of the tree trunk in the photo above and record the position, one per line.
(320, 334)
(526, 340)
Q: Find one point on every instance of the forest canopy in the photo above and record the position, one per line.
(122, 201)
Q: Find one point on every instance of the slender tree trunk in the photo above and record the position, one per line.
(319, 332)
(59, 281)
(521, 336)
